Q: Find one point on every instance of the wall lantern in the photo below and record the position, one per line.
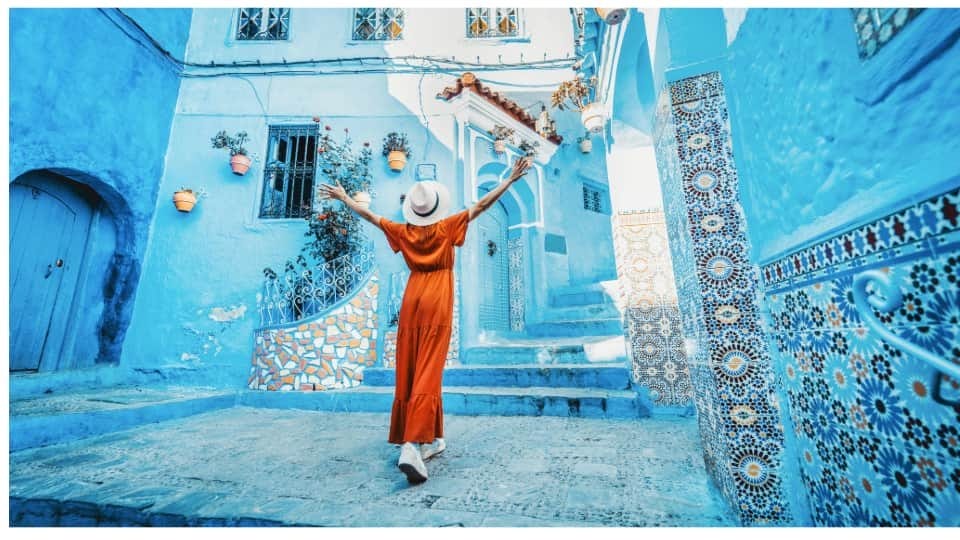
(545, 125)
(612, 16)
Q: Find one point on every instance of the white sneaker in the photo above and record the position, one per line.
(427, 451)
(412, 464)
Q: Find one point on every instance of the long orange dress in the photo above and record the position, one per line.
(425, 324)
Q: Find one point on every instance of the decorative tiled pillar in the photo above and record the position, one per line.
(718, 293)
(515, 246)
(877, 429)
(649, 302)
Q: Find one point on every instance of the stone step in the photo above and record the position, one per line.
(544, 351)
(469, 400)
(577, 313)
(41, 421)
(579, 298)
(613, 376)
(576, 328)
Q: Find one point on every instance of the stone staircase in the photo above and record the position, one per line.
(573, 363)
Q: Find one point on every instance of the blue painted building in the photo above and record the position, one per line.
(800, 160)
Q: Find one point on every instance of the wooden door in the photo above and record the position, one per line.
(49, 225)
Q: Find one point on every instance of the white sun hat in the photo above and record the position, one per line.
(426, 203)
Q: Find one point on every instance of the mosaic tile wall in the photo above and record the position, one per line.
(453, 355)
(649, 302)
(515, 246)
(875, 447)
(718, 291)
(328, 351)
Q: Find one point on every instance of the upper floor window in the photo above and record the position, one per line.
(263, 23)
(288, 177)
(594, 199)
(493, 22)
(373, 24)
(876, 26)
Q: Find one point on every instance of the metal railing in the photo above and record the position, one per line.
(299, 293)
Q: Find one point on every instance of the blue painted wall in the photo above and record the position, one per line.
(88, 101)
(816, 157)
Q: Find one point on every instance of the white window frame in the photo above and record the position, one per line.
(521, 34)
(354, 40)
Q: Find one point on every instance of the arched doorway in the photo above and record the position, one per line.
(50, 223)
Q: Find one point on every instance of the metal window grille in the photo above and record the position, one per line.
(288, 177)
(592, 199)
(493, 22)
(263, 23)
(378, 24)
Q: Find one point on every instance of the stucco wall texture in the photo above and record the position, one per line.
(814, 157)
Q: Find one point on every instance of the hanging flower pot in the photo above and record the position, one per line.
(397, 160)
(397, 149)
(612, 16)
(499, 146)
(592, 117)
(362, 198)
(586, 145)
(184, 200)
(240, 164)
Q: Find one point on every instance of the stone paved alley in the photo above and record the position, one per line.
(254, 466)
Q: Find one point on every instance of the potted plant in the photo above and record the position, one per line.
(500, 136)
(239, 162)
(577, 94)
(529, 148)
(586, 145)
(184, 199)
(397, 149)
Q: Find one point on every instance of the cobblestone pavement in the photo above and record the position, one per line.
(336, 469)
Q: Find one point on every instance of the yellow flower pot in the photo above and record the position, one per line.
(184, 200)
(612, 16)
(362, 199)
(397, 160)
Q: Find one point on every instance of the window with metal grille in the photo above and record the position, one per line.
(288, 177)
(263, 23)
(493, 22)
(377, 24)
(593, 199)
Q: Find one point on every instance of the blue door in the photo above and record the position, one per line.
(494, 270)
(49, 225)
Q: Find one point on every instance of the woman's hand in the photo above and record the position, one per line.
(519, 168)
(337, 192)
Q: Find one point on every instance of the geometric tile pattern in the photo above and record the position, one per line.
(515, 247)
(648, 297)
(329, 351)
(874, 446)
(898, 234)
(718, 290)
(876, 26)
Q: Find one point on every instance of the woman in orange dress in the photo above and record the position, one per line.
(426, 314)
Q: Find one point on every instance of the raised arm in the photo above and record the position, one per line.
(337, 192)
(519, 169)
